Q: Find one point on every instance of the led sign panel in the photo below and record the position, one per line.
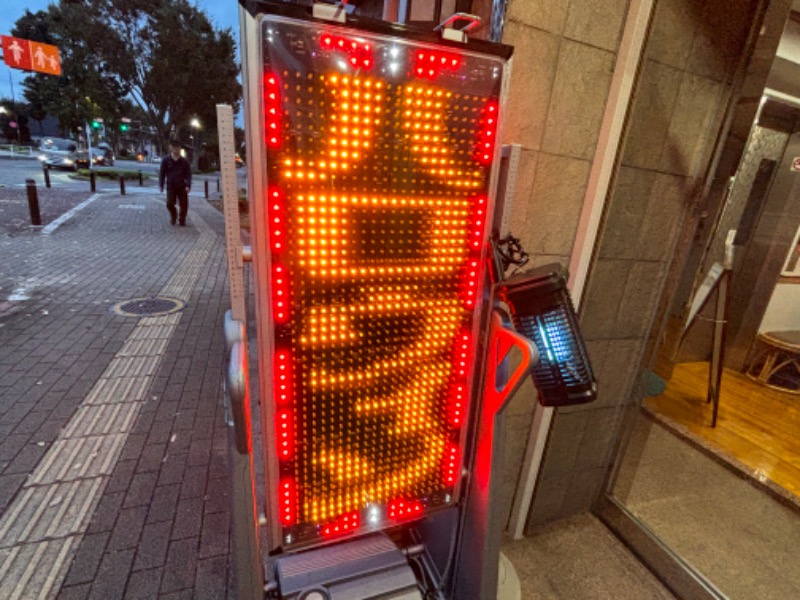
(379, 157)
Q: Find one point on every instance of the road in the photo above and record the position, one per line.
(66, 192)
(14, 172)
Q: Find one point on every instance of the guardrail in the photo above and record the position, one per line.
(14, 150)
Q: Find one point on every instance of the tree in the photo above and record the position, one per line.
(86, 89)
(163, 55)
(176, 64)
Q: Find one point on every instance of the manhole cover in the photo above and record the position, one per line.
(148, 307)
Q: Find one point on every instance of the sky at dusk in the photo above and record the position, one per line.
(223, 14)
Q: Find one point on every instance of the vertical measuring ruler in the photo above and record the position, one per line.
(230, 197)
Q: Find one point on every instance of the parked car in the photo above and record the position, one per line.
(58, 153)
(102, 157)
(105, 155)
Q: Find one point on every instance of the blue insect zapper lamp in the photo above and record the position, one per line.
(542, 311)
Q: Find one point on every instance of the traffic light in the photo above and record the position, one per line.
(124, 127)
(96, 124)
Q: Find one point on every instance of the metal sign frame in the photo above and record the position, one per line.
(261, 244)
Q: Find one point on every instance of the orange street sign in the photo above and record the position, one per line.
(45, 58)
(17, 53)
(31, 56)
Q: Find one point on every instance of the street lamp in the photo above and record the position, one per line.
(195, 125)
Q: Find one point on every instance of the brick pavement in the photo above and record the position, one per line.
(113, 456)
(15, 215)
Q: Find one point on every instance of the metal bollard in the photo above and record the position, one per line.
(122, 185)
(217, 185)
(141, 181)
(33, 202)
(46, 171)
(206, 186)
(92, 185)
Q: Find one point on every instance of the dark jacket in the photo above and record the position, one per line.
(178, 173)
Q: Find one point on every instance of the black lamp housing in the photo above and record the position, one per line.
(542, 311)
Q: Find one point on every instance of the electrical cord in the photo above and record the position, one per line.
(510, 252)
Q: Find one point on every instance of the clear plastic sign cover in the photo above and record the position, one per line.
(379, 156)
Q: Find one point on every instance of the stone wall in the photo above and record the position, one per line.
(564, 60)
(563, 63)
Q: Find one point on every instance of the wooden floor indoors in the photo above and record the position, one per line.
(758, 426)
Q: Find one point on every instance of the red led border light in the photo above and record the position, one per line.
(288, 503)
(284, 418)
(281, 305)
(342, 525)
(284, 432)
(276, 214)
(452, 461)
(403, 509)
(429, 64)
(458, 393)
(486, 139)
(273, 121)
(475, 233)
(359, 54)
(282, 376)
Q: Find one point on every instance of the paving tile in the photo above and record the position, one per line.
(164, 503)
(133, 446)
(181, 595)
(188, 519)
(86, 562)
(141, 490)
(210, 579)
(152, 458)
(152, 549)
(199, 453)
(75, 592)
(11, 443)
(214, 540)
(9, 487)
(194, 481)
(112, 576)
(143, 585)
(25, 460)
(217, 495)
(128, 528)
(172, 469)
(161, 430)
(122, 476)
(179, 572)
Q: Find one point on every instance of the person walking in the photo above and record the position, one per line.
(176, 172)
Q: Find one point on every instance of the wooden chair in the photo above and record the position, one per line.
(777, 363)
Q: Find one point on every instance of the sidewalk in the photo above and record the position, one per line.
(113, 452)
(113, 456)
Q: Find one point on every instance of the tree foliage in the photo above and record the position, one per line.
(177, 64)
(163, 55)
(86, 88)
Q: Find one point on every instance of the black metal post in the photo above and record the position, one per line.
(141, 181)
(206, 188)
(46, 171)
(122, 185)
(92, 184)
(217, 185)
(33, 202)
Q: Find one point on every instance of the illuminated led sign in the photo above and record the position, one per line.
(379, 159)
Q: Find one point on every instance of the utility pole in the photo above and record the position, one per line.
(15, 114)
